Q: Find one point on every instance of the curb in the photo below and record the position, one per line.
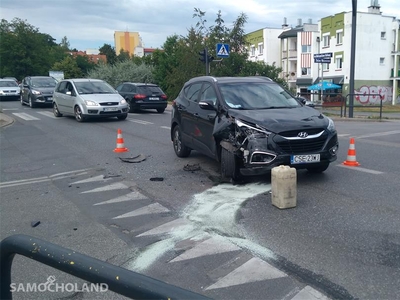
(5, 120)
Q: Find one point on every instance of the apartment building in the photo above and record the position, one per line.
(263, 45)
(127, 41)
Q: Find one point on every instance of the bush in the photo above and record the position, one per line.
(122, 72)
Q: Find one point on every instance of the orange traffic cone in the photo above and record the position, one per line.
(351, 155)
(120, 143)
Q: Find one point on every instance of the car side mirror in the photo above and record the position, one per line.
(302, 100)
(207, 105)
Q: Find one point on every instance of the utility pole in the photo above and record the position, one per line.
(352, 56)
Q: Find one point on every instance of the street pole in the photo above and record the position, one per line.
(322, 83)
(207, 63)
(352, 57)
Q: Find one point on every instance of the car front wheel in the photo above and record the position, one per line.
(122, 117)
(31, 103)
(229, 165)
(56, 112)
(78, 114)
(318, 169)
(180, 149)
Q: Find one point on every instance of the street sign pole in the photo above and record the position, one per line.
(322, 85)
(207, 63)
(352, 57)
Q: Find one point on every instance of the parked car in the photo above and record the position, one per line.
(143, 96)
(250, 125)
(88, 98)
(13, 78)
(37, 90)
(9, 89)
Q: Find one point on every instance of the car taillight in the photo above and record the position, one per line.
(164, 97)
(139, 96)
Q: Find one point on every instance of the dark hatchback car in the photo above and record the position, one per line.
(250, 125)
(37, 90)
(143, 96)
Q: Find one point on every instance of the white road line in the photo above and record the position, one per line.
(208, 247)
(166, 127)
(361, 169)
(167, 227)
(92, 179)
(43, 178)
(10, 109)
(251, 271)
(378, 134)
(140, 122)
(154, 208)
(25, 116)
(343, 134)
(110, 187)
(310, 294)
(47, 114)
(129, 197)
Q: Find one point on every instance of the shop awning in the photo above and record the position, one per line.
(304, 81)
(331, 79)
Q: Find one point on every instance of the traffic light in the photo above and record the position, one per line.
(203, 55)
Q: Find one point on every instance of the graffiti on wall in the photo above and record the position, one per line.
(369, 94)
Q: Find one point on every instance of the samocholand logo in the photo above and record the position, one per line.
(55, 287)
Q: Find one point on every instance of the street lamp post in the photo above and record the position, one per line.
(352, 57)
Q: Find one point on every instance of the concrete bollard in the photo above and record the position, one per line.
(284, 187)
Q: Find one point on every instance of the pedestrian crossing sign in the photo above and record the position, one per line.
(222, 50)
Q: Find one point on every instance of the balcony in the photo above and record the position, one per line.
(293, 54)
(392, 73)
(284, 54)
(289, 76)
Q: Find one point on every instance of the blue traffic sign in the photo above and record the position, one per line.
(322, 60)
(323, 55)
(222, 50)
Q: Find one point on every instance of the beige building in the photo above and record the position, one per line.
(126, 41)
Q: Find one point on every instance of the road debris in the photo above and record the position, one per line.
(136, 159)
(111, 175)
(35, 223)
(157, 179)
(192, 168)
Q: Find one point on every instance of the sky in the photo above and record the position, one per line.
(89, 24)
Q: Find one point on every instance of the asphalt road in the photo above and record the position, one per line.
(193, 231)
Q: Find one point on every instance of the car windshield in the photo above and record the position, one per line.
(44, 82)
(259, 95)
(8, 83)
(94, 87)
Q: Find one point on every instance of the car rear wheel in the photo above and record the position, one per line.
(31, 103)
(160, 110)
(318, 169)
(56, 112)
(122, 117)
(78, 114)
(229, 165)
(180, 149)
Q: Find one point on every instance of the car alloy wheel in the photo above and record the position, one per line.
(56, 112)
(180, 149)
(31, 103)
(78, 114)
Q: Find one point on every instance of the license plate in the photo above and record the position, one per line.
(154, 98)
(49, 98)
(111, 109)
(303, 159)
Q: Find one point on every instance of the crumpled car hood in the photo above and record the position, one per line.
(282, 119)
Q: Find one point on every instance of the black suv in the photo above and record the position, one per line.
(37, 90)
(143, 96)
(250, 125)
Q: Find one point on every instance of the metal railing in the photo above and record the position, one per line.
(119, 280)
(352, 106)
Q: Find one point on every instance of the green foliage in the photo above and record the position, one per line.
(109, 52)
(123, 55)
(84, 63)
(121, 72)
(69, 66)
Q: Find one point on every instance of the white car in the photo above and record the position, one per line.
(9, 89)
(88, 98)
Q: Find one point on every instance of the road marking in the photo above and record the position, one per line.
(310, 294)
(208, 247)
(44, 178)
(110, 187)
(140, 122)
(47, 114)
(253, 270)
(361, 169)
(92, 179)
(166, 127)
(378, 134)
(25, 116)
(129, 197)
(9, 109)
(343, 134)
(167, 227)
(154, 208)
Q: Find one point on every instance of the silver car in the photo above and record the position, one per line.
(9, 89)
(88, 98)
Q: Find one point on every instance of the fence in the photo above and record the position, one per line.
(119, 280)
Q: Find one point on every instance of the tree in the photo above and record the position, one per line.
(84, 64)
(64, 43)
(109, 52)
(69, 66)
(123, 55)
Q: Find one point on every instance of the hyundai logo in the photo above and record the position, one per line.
(303, 134)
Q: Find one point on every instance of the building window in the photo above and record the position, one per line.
(260, 49)
(382, 61)
(326, 40)
(383, 35)
(339, 63)
(305, 48)
(325, 67)
(305, 71)
(339, 37)
(252, 50)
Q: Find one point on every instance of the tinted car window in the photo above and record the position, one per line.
(8, 83)
(192, 92)
(208, 93)
(125, 88)
(43, 82)
(149, 90)
(61, 87)
(256, 96)
(94, 87)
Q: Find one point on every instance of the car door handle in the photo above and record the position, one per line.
(196, 115)
(211, 117)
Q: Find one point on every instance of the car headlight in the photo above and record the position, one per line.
(123, 101)
(331, 125)
(256, 128)
(91, 103)
(1, 93)
(35, 92)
